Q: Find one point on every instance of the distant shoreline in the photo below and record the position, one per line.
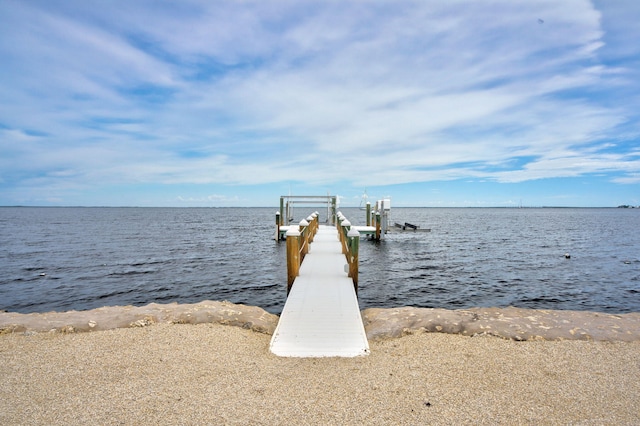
(345, 207)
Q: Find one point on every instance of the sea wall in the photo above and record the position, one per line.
(110, 317)
(508, 323)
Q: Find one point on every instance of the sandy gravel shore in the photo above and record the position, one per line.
(220, 374)
(509, 323)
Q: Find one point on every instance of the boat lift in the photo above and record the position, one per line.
(381, 212)
(287, 203)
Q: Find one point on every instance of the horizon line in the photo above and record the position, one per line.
(622, 206)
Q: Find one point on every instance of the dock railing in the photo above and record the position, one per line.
(350, 240)
(298, 241)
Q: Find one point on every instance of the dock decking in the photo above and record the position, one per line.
(321, 317)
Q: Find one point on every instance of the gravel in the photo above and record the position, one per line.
(194, 374)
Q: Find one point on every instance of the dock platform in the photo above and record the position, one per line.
(321, 317)
(363, 230)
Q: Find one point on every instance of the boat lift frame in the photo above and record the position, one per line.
(287, 202)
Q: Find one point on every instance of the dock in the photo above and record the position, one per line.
(374, 230)
(321, 317)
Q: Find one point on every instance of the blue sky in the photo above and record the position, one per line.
(228, 103)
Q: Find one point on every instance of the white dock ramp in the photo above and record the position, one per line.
(321, 317)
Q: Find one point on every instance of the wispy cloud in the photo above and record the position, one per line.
(247, 93)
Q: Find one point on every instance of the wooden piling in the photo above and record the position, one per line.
(345, 226)
(315, 225)
(304, 239)
(278, 226)
(378, 220)
(293, 257)
(354, 247)
(368, 213)
(309, 220)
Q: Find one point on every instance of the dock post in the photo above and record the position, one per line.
(368, 213)
(281, 209)
(313, 226)
(316, 224)
(378, 220)
(278, 226)
(288, 208)
(345, 227)
(304, 239)
(293, 257)
(334, 206)
(354, 246)
(310, 228)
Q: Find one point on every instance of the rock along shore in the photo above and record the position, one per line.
(508, 323)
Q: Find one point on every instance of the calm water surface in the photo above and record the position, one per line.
(83, 258)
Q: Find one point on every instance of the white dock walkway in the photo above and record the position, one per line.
(321, 317)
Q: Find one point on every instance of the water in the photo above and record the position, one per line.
(83, 258)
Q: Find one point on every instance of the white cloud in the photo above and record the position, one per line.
(248, 92)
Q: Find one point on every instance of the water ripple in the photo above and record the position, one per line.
(83, 258)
